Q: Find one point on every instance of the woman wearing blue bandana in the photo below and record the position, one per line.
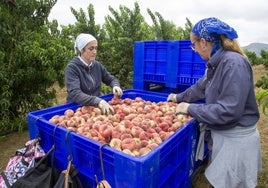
(229, 115)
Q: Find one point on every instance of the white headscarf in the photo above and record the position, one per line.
(82, 40)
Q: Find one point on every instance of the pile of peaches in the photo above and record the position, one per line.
(136, 127)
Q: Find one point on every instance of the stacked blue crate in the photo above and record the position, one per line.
(190, 66)
(150, 63)
(171, 64)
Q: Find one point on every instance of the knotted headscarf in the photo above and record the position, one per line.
(211, 28)
(82, 40)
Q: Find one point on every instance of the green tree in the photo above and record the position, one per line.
(85, 23)
(122, 28)
(32, 57)
(187, 30)
(166, 30)
(253, 58)
(264, 58)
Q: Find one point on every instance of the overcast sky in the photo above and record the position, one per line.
(248, 17)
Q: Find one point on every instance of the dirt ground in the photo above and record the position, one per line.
(10, 143)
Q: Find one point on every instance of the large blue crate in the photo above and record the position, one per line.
(168, 63)
(168, 165)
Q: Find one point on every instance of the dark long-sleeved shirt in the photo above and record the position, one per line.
(228, 90)
(83, 83)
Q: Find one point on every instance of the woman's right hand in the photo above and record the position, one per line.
(172, 97)
(105, 108)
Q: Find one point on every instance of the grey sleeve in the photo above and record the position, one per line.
(194, 93)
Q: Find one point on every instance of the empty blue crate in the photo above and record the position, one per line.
(169, 63)
(151, 59)
(190, 66)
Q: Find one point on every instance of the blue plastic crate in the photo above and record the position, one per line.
(39, 126)
(169, 63)
(151, 60)
(166, 166)
(190, 66)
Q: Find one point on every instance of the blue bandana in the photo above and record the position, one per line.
(211, 28)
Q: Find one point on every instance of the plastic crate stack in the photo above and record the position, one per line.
(166, 66)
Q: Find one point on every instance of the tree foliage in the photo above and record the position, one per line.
(31, 60)
(166, 30)
(122, 28)
(253, 58)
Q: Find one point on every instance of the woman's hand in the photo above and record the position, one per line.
(105, 108)
(172, 98)
(182, 108)
(117, 91)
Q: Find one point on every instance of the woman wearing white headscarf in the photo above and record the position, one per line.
(230, 112)
(84, 76)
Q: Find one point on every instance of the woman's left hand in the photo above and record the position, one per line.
(182, 108)
(117, 91)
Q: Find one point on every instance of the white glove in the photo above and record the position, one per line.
(105, 107)
(182, 108)
(117, 91)
(172, 97)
